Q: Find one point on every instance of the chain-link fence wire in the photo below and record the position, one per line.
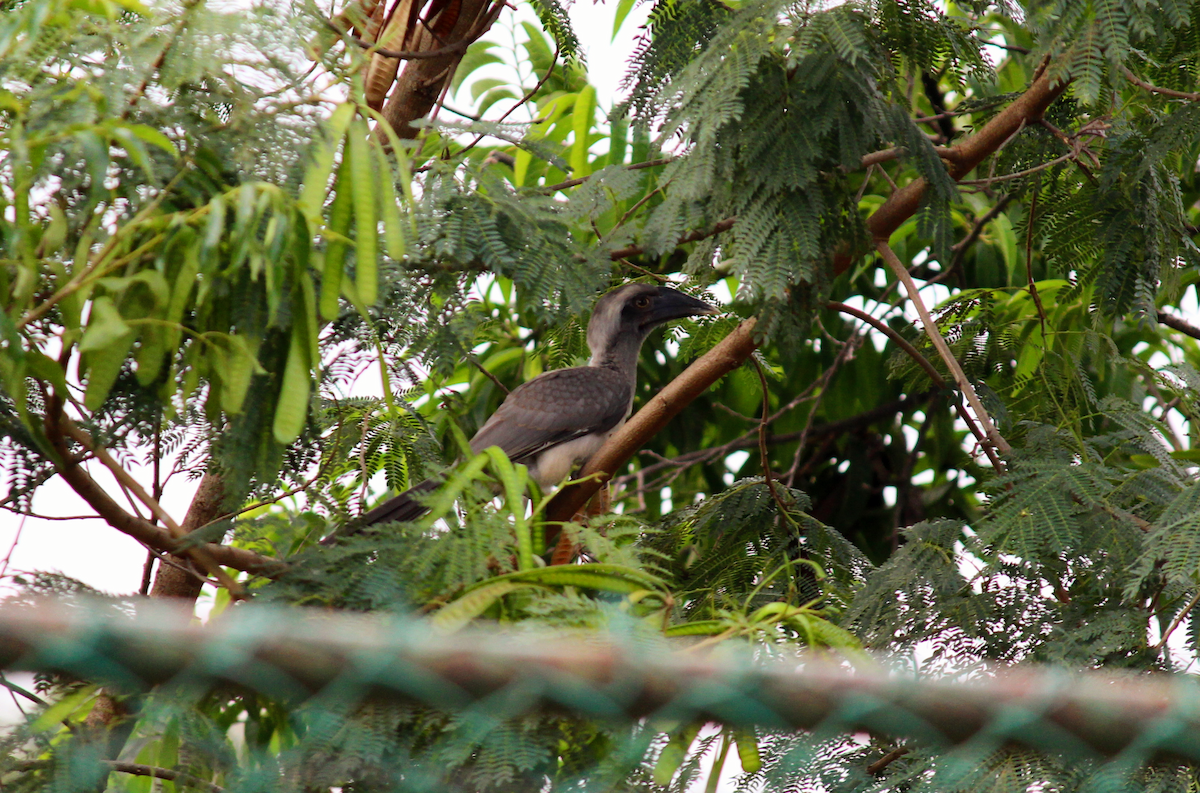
(290, 699)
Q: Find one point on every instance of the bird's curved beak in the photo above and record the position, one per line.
(673, 304)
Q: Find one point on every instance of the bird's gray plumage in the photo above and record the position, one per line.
(559, 419)
(554, 408)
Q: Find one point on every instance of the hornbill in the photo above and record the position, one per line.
(560, 418)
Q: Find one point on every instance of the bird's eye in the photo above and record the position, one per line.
(642, 302)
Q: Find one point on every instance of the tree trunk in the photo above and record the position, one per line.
(206, 506)
(421, 82)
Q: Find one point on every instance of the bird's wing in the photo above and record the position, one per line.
(554, 408)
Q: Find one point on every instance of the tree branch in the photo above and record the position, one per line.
(635, 250)
(748, 440)
(933, 374)
(738, 346)
(960, 248)
(1178, 324)
(637, 166)
(904, 203)
(400, 55)
(171, 774)
(236, 590)
(143, 530)
(1154, 89)
(931, 330)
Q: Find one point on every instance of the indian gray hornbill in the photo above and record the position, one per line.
(559, 419)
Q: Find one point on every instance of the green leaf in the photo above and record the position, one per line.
(605, 577)
(697, 628)
(456, 615)
(515, 479)
(480, 87)
(366, 230)
(622, 11)
(240, 366)
(747, 749)
(105, 326)
(321, 159)
(291, 411)
(336, 235)
(477, 56)
(150, 135)
(582, 116)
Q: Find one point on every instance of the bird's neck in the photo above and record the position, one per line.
(620, 355)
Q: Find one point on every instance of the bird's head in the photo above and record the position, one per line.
(624, 317)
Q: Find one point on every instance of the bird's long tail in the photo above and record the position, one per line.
(398, 508)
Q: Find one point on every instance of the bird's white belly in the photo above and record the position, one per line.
(554, 464)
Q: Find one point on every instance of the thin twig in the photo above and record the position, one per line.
(188, 568)
(695, 236)
(764, 456)
(12, 548)
(933, 373)
(518, 103)
(959, 249)
(745, 441)
(171, 774)
(822, 385)
(877, 767)
(1175, 622)
(1154, 89)
(662, 279)
(1033, 291)
(637, 166)
(140, 91)
(1019, 174)
(478, 365)
(939, 344)
(40, 516)
(29, 695)
(38, 311)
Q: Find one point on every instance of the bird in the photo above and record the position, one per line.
(559, 419)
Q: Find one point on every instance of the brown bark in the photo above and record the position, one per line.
(420, 83)
(153, 535)
(173, 582)
(961, 159)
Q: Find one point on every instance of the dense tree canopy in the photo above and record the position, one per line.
(948, 411)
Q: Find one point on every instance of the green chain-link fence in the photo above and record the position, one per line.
(331, 700)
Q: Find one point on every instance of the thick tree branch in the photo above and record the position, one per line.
(401, 55)
(143, 530)
(904, 203)
(1178, 324)
(419, 85)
